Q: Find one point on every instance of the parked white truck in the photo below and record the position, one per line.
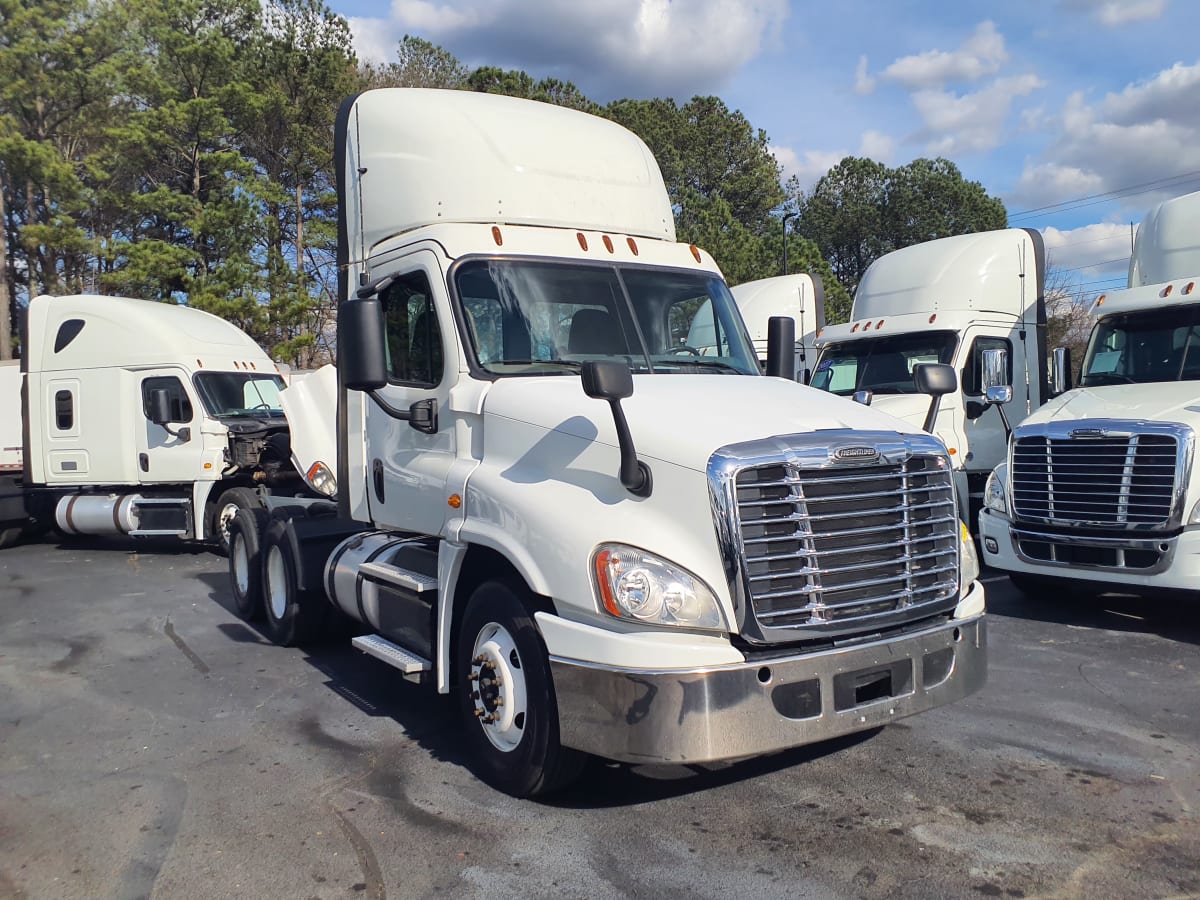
(12, 497)
(1100, 490)
(799, 297)
(601, 539)
(948, 301)
(146, 418)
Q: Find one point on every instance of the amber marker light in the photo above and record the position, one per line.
(579, 235)
(208, 465)
(932, 316)
(602, 578)
(879, 324)
(632, 246)
(855, 328)
(952, 450)
(1100, 299)
(454, 500)
(497, 236)
(199, 364)
(695, 252)
(1166, 292)
(608, 245)
(1188, 288)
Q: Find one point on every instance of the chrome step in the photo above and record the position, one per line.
(381, 648)
(404, 578)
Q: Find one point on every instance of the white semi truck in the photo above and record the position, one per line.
(599, 537)
(949, 301)
(799, 297)
(1100, 490)
(146, 418)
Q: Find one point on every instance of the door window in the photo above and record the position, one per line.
(181, 406)
(972, 373)
(414, 339)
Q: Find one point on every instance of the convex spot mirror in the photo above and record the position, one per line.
(999, 394)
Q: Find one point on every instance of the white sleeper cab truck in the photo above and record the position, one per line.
(147, 418)
(949, 301)
(799, 297)
(1100, 490)
(550, 504)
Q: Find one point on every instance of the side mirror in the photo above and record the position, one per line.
(1060, 371)
(936, 380)
(606, 379)
(863, 397)
(995, 368)
(999, 394)
(781, 347)
(362, 346)
(160, 406)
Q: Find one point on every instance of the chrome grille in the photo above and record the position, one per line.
(1099, 476)
(834, 547)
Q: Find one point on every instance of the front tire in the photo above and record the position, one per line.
(506, 695)
(292, 616)
(229, 504)
(245, 562)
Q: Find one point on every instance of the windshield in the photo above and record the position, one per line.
(537, 318)
(883, 365)
(239, 394)
(1156, 345)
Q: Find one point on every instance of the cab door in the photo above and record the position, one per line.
(163, 456)
(407, 466)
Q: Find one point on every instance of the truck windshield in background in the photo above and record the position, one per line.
(227, 394)
(536, 318)
(883, 365)
(1156, 345)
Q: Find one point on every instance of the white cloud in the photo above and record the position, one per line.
(863, 82)
(808, 166)
(980, 55)
(877, 146)
(1113, 13)
(1144, 135)
(954, 124)
(634, 48)
(1090, 253)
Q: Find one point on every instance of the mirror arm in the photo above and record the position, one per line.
(931, 416)
(406, 415)
(634, 474)
(1004, 419)
(184, 434)
(394, 411)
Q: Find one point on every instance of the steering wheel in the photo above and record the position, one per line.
(684, 348)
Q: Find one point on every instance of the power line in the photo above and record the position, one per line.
(1132, 190)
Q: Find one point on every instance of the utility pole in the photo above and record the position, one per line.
(786, 216)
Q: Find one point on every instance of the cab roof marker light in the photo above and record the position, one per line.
(497, 236)
(579, 235)
(608, 244)
(1166, 292)
(1188, 288)
(932, 316)
(879, 324)
(633, 248)
(695, 252)
(855, 328)
(1100, 299)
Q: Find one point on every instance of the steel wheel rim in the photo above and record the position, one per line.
(276, 584)
(500, 706)
(241, 564)
(225, 518)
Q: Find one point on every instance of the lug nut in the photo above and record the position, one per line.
(478, 713)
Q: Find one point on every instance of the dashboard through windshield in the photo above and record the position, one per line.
(226, 394)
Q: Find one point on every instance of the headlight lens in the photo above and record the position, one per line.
(321, 479)
(637, 585)
(1194, 518)
(968, 559)
(993, 491)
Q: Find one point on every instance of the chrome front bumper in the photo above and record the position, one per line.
(728, 712)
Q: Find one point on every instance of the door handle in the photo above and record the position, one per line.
(377, 476)
(144, 461)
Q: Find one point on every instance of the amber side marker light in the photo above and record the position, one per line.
(454, 501)
(610, 603)
(497, 236)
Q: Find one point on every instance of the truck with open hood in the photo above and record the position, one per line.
(959, 301)
(145, 419)
(600, 537)
(1099, 490)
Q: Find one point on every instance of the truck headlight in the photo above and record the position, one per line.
(321, 480)
(993, 491)
(968, 559)
(637, 585)
(1194, 518)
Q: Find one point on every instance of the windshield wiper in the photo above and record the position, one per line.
(703, 364)
(572, 364)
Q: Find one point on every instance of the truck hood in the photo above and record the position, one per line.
(1173, 401)
(912, 408)
(683, 419)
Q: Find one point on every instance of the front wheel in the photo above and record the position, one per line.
(506, 695)
(229, 504)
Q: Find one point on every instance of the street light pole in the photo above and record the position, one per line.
(786, 216)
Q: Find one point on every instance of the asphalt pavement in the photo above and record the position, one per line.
(152, 744)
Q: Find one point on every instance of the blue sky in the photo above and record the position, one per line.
(1042, 102)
